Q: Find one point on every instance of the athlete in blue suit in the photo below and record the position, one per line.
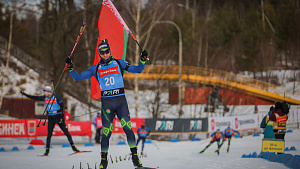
(142, 132)
(55, 115)
(109, 74)
(228, 132)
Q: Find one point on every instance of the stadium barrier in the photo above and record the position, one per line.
(289, 160)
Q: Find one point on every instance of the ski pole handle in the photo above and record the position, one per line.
(139, 46)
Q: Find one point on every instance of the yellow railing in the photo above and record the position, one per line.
(221, 79)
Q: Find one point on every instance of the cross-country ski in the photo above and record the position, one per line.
(43, 155)
(145, 168)
(79, 152)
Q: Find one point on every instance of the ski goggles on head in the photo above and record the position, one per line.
(104, 52)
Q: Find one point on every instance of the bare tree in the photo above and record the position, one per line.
(11, 16)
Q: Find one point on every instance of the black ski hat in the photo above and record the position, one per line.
(104, 46)
(278, 105)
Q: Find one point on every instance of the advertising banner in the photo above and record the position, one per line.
(76, 128)
(235, 122)
(135, 124)
(177, 125)
(17, 128)
(221, 123)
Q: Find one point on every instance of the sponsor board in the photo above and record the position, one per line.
(273, 145)
(135, 124)
(177, 125)
(18, 128)
(235, 122)
(76, 128)
(12, 128)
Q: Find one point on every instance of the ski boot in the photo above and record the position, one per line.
(74, 148)
(135, 158)
(47, 151)
(103, 164)
(227, 150)
(218, 151)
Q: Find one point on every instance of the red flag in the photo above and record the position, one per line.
(112, 27)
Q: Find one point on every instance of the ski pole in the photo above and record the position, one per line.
(86, 113)
(155, 145)
(62, 74)
(25, 118)
(139, 45)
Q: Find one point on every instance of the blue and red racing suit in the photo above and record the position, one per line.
(110, 79)
(55, 115)
(216, 136)
(142, 133)
(228, 133)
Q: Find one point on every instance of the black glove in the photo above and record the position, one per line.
(69, 61)
(144, 55)
(22, 92)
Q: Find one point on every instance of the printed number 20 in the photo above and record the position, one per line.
(109, 81)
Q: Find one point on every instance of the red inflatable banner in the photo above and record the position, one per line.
(17, 128)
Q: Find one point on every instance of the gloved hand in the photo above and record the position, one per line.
(144, 55)
(22, 92)
(69, 61)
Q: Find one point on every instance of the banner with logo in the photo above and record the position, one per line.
(177, 125)
(18, 128)
(76, 128)
(246, 121)
(135, 124)
(235, 122)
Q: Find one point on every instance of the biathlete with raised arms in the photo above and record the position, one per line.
(109, 74)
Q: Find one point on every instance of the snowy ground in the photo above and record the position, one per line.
(162, 154)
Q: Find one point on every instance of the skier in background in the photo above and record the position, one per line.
(142, 132)
(227, 135)
(216, 136)
(109, 74)
(268, 125)
(98, 125)
(55, 115)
